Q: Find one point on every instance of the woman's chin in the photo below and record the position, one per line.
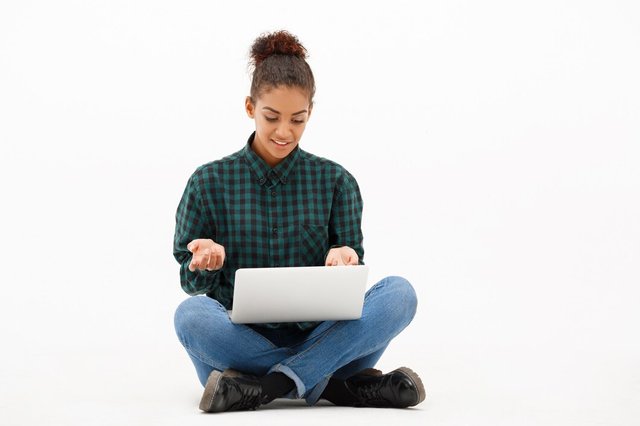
(281, 152)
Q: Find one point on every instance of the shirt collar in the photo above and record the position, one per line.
(262, 170)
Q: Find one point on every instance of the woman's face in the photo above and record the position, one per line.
(281, 115)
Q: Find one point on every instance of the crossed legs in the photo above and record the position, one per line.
(334, 349)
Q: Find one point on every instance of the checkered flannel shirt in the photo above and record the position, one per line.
(288, 215)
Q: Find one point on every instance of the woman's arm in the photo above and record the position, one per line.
(345, 223)
(192, 222)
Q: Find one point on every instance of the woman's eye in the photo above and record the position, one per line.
(275, 119)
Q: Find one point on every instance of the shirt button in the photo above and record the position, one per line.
(273, 193)
(263, 180)
(275, 230)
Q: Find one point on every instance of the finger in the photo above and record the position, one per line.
(350, 256)
(219, 261)
(215, 260)
(193, 246)
(211, 265)
(335, 262)
(207, 259)
(221, 256)
(194, 263)
(200, 261)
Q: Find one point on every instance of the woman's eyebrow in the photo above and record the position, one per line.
(278, 112)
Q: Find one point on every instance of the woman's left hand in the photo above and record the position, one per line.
(341, 256)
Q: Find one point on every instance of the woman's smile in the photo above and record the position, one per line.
(280, 143)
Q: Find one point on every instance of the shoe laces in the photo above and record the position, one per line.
(370, 391)
(250, 398)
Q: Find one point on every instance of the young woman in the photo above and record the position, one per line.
(273, 204)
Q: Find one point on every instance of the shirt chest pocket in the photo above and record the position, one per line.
(313, 242)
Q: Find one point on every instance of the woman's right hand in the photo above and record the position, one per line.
(341, 256)
(207, 254)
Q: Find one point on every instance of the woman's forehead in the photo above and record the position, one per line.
(284, 100)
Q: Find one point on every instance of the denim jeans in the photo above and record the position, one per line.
(310, 358)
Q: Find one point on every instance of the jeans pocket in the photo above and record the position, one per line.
(314, 242)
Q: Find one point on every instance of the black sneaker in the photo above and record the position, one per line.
(398, 389)
(231, 390)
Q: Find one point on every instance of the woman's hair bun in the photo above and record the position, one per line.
(279, 59)
(279, 42)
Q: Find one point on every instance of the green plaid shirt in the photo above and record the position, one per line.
(288, 215)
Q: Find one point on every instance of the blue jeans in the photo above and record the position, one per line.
(310, 358)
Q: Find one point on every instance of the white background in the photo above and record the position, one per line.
(496, 144)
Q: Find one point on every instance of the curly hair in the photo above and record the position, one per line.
(278, 58)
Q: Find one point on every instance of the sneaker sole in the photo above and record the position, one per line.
(413, 376)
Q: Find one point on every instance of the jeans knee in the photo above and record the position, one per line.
(187, 316)
(405, 295)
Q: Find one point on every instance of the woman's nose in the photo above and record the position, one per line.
(283, 132)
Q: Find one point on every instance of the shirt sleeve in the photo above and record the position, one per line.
(345, 223)
(192, 223)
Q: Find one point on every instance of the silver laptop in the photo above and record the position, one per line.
(305, 293)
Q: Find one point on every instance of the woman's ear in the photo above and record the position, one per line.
(249, 107)
(309, 113)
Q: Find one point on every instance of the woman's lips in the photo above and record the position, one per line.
(280, 143)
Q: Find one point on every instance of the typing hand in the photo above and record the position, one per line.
(207, 254)
(341, 256)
